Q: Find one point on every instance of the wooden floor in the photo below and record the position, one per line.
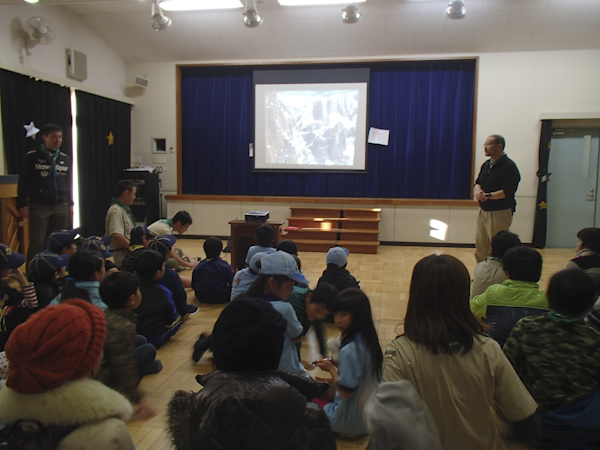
(384, 277)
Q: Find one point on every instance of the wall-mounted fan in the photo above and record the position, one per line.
(39, 31)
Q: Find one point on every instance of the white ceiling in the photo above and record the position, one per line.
(387, 27)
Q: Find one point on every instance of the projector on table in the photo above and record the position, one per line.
(257, 216)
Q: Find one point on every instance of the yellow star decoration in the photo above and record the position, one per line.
(111, 138)
(543, 205)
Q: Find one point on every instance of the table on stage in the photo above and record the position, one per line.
(242, 238)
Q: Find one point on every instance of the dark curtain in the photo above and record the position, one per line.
(428, 106)
(100, 162)
(541, 209)
(24, 100)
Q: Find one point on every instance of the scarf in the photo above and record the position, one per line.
(558, 317)
(114, 201)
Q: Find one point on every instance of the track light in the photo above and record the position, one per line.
(160, 22)
(251, 16)
(350, 14)
(456, 9)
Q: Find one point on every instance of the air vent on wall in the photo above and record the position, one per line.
(76, 64)
(141, 82)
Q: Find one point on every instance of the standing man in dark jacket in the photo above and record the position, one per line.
(495, 189)
(44, 189)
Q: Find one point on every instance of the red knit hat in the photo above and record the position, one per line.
(57, 344)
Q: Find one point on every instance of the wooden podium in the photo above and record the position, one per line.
(242, 238)
(14, 231)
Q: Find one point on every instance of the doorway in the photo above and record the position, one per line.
(573, 185)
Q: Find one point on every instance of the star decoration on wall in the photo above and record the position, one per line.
(543, 205)
(111, 139)
(31, 130)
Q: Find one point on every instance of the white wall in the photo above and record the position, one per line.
(513, 90)
(106, 70)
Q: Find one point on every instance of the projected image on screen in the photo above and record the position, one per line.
(310, 126)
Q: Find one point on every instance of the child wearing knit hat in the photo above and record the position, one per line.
(52, 357)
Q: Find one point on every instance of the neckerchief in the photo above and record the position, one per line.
(114, 201)
(558, 317)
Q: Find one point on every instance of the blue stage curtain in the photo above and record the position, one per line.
(428, 106)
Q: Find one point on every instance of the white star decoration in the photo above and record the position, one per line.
(31, 130)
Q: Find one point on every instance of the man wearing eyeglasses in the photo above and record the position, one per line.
(495, 189)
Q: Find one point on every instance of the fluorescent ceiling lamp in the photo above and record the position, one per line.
(32, 1)
(315, 2)
(196, 5)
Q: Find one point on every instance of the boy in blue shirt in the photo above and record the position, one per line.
(212, 277)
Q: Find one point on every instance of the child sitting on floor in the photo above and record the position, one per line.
(244, 278)
(44, 271)
(86, 271)
(359, 366)
(490, 271)
(588, 251)
(15, 306)
(62, 242)
(51, 399)
(171, 279)
(140, 238)
(127, 355)
(556, 357)
(336, 273)
(157, 319)
(265, 237)
(311, 308)
(523, 267)
(212, 277)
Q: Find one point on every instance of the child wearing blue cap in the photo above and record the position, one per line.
(278, 273)
(336, 273)
(244, 278)
(44, 271)
(62, 241)
(100, 244)
(15, 306)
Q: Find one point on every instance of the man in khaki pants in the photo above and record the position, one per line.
(495, 189)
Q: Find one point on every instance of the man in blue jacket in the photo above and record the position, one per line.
(44, 190)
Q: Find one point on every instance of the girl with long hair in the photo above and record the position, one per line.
(457, 371)
(359, 364)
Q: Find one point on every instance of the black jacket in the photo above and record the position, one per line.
(338, 277)
(37, 183)
(251, 411)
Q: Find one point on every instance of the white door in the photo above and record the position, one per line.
(573, 185)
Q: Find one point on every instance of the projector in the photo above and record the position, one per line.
(257, 216)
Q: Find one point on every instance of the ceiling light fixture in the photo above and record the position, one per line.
(350, 14)
(32, 1)
(198, 5)
(160, 22)
(251, 16)
(315, 2)
(456, 9)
